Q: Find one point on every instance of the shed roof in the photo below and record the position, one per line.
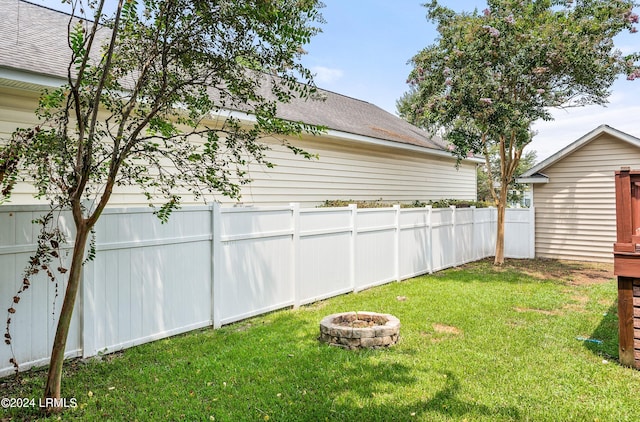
(535, 174)
(34, 52)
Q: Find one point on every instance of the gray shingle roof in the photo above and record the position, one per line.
(33, 39)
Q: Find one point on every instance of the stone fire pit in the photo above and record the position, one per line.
(355, 330)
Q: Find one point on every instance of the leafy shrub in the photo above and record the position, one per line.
(379, 203)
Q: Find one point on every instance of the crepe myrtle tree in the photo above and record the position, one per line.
(144, 86)
(491, 74)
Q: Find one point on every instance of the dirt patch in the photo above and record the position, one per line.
(571, 272)
(578, 304)
(592, 274)
(537, 311)
(441, 332)
(446, 329)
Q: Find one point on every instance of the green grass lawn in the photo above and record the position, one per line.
(477, 343)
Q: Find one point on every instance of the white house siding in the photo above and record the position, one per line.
(344, 170)
(17, 109)
(575, 211)
(351, 171)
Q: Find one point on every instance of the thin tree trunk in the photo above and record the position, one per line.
(502, 206)
(54, 377)
(499, 257)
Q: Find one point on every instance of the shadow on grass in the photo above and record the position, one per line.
(607, 333)
(448, 403)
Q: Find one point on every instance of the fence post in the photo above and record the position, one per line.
(216, 259)
(352, 247)
(453, 235)
(396, 239)
(532, 232)
(474, 241)
(494, 229)
(88, 300)
(88, 314)
(429, 209)
(295, 254)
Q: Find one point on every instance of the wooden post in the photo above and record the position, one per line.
(626, 253)
(625, 321)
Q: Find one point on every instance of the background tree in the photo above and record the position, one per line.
(490, 75)
(488, 178)
(144, 87)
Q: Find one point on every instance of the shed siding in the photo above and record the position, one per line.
(344, 170)
(575, 211)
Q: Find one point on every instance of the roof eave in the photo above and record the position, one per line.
(535, 179)
(353, 137)
(28, 80)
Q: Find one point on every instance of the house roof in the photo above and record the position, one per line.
(535, 174)
(33, 55)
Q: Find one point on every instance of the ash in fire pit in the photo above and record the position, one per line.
(354, 330)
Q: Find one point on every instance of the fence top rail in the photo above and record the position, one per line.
(108, 210)
(417, 209)
(251, 208)
(24, 208)
(326, 209)
(150, 210)
(374, 210)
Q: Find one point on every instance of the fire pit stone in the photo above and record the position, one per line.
(355, 330)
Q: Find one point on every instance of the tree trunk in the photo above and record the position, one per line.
(54, 377)
(499, 257)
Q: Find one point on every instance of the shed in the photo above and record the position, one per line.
(574, 195)
(366, 154)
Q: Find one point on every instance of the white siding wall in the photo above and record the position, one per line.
(575, 211)
(345, 170)
(17, 109)
(351, 171)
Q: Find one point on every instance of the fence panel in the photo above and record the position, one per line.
(325, 253)
(33, 325)
(519, 233)
(464, 235)
(255, 274)
(484, 232)
(415, 242)
(443, 246)
(375, 247)
(148, 280)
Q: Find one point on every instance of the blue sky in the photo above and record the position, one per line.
(365, 45)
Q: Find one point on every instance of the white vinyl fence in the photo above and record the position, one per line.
(212, 266)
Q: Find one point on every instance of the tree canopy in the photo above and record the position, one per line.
(491, 74)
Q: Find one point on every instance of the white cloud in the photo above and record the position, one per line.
(326, 75)
(569, 125)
